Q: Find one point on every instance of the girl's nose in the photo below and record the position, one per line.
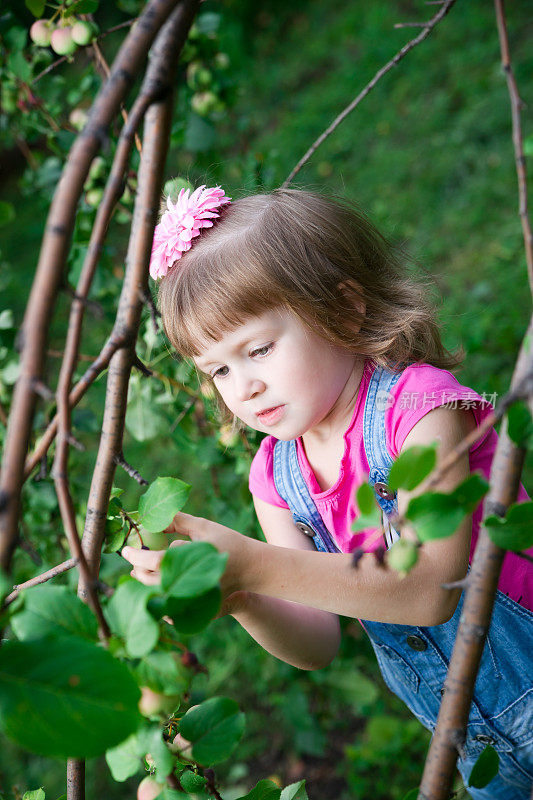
(248, 388)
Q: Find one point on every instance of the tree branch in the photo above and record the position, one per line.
(446, 6)
(516, 106)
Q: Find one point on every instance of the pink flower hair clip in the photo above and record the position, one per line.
(181, 223)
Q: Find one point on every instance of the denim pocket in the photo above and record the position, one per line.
(395, 669)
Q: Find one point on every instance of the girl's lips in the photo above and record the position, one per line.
(271, 415)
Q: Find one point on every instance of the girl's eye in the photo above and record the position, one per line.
(221, 372)
(262, 351)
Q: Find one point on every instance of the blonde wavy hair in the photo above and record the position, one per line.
(320, 258)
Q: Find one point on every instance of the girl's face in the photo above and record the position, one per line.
(279, 377)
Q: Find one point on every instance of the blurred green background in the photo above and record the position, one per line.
(428, 155)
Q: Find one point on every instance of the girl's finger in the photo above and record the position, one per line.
(183, 523)
(148, 578)
(146, 559)
(179, 542)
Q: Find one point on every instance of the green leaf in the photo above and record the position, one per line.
(36, 7)
(6, 318)
(520, 424)
(35, 794)
(65, 697)
(193, 614)
(130, 619)
(264, 790)
(191, 569)
(214, 728)
(411, 467)
(437, 515)
(191, 781)
(434, 515)
(485, 768)
(163, 758)
(371, 520)
(124, 760)
(144, 420)
(82, 7)
(366, 499)
(295, 791)
(53, 610)
(7, 213)
(161, 502)
(19, 66)
(208, 23)
(163, 672)
(515, 531)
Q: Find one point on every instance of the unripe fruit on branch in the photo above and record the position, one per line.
(402, 556)
(222, 60)
(78, 118)
(198, 76)
(83, 33)
(180, 745)
(40, 32)
(62, 43)
(205, 103)
(154, 704)
(97, 168)
(148, 789)
(142, 537)
(94, 197)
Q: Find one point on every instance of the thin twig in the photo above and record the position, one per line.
(131, 471)
(516, 106)
(59, 569)
(349, 108)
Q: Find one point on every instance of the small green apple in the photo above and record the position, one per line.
(40, 32)
(155, 704)
(62, 43)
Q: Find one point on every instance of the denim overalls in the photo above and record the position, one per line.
(414, 660)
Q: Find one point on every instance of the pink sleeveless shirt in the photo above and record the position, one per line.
(420, 389)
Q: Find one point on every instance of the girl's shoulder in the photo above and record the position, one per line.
(421, 388)
(261, 477)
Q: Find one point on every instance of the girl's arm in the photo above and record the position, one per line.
(329, 582)
(305, 637)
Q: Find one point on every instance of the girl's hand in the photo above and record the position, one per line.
(146, 563)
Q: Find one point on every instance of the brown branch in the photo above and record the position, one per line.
(516, 106)
(104, 68)
(97, 367)
(115, 341)
(446, 6)
(59, 569)
(52, 260)
(476, 612)
(160, 76)
(131, 471)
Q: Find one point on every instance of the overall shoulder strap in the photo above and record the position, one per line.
(378, 400)
(290, 485)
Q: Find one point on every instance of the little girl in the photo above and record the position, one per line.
(300, 313)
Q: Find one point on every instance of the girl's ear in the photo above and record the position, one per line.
(353, 296)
